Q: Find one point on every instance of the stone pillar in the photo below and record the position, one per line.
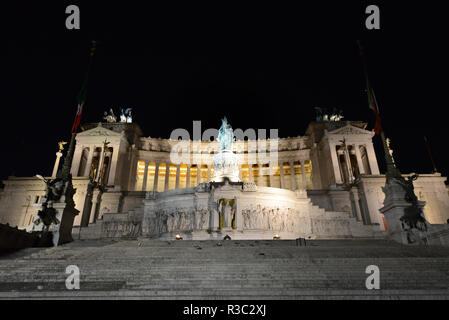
(359, 159)
(198, 174)
(55, 168)
(167, 175)
(94, 206)
(372, 159)
(271, 175)
(113, 166)
(178, 169)
(335, 164)
(250, 170)
(356, 200)
(156, 176)
(281, 168)
(292, 175)
(100, 164)
(238, 216)
(208, 172)
(75, 162)
(240, 173)
(145, 176)
(303, 174)
(188, 177)
(89, 161)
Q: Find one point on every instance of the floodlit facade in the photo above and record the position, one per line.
(324, 184)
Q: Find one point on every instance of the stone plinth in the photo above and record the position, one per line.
(394, 209)
(226, 165)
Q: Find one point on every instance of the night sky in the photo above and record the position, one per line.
(261, 66)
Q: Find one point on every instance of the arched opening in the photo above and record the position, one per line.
(83, 162)
(365, 162)
(95, 165)
(353, 160)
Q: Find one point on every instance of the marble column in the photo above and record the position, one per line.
(208, 172)
(156, 176)
(281, 169)
(94, 206)
(100, 164)
(113, 165)
(178, 169)
(335, 164)
(55, 168)
(167, 176)
(188, 177)
(372, 159)
(359, 159)
(198, 174)
(145, 177)
(356, 200)
(250, 170)
(75, 161)
(89, 161)
(303, 174)
(270, 172)
(292, 175)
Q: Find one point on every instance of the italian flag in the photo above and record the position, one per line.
(79, 109)
(372, 103)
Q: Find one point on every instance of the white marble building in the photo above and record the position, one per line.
(325, 184)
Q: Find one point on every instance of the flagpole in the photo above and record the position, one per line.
(64, 174)
(430, 155)
(392, 170)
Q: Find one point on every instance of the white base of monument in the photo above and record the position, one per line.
(226, 166)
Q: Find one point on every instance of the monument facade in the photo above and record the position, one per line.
(324, 184)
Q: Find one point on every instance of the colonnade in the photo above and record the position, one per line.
(93, 160)
(151, 175)
(351, 160)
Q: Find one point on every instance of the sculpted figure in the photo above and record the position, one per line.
(227, 214)
(225, 135)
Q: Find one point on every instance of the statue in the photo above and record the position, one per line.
(388, 141)
(125, 115)
(318, 114)
(61, 145)
(54, 188)
(110, 117)
(413, 220)
(225, 135)
(322, 114)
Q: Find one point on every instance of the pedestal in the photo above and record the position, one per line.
(394, 209)
(66, 213)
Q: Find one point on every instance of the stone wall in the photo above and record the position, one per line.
(21, 198)
(260, 212)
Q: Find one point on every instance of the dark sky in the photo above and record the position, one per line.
(261, 66)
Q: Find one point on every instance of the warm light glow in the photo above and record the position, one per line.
(178, 237)
(276, 237)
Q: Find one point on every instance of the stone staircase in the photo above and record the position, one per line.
(151, 269)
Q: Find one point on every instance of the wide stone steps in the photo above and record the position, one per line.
(233, 269)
